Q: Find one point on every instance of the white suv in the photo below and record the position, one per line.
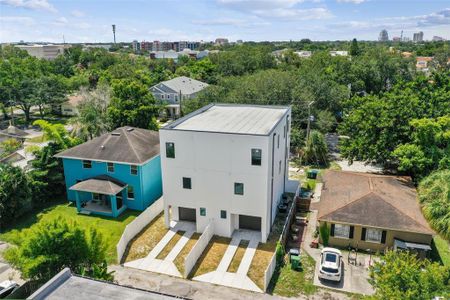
(331, 264)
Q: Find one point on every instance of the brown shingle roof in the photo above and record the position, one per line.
(371, 200)
(125, 144)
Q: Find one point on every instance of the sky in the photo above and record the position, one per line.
(197, 20)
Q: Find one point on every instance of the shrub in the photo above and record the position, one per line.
(324, 233)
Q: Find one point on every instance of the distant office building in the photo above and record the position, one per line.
(239, 42)
(418, 37)
(136, 46)
(44, 51)
(396, 39)
(406, 39)
(383, 37)
(146, 46)
(438, 38)
(221, 41)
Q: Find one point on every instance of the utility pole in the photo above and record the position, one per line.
(114, 33)
(309, 121)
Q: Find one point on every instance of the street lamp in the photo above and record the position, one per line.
(309, 121)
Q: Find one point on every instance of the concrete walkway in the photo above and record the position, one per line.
(239, 279)
(166, 265)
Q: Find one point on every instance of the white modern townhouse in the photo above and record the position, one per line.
(226, 165)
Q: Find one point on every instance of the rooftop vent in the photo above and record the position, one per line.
(130, 129)
(115, 133)
(102, 147)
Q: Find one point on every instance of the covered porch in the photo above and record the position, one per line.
(100, 195)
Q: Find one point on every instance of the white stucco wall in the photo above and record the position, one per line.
(214, 162)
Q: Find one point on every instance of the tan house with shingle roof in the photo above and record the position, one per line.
(376, 212)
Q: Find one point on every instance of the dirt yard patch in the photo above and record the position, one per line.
(146, 240)
(265, 251)
(211, 256)
(173, 241)
(236, 261)
(179, 260)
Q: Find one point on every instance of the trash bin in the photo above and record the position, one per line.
(312, 174)
(295, 262)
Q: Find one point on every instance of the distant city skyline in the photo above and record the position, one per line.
(248, 20)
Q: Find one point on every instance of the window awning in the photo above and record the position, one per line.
(408, 245)
(100, 184)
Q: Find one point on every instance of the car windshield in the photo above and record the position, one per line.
(330, 270)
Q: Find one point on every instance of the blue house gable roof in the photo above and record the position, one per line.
(127, 145)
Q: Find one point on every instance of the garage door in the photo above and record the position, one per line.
(186, 214)
(249, 222)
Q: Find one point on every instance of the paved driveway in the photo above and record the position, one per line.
(6, 271)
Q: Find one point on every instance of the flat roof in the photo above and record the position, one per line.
(232, 118)
(67, 286)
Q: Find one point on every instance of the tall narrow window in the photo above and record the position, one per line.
(187, 183)
(202, 211)
(256, 157)
(279, 167)
(110, 167)
(130, 192)
(238, 188)
(223, 214)
(170, 150)
(87, 164)
(278, 141)
(133, 170)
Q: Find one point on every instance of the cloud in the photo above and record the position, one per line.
(406, 22)
(77, 13)
(287, 10)
(61, 21)
(351, 1)
(231, 22)
(17, 20)
(30, 4)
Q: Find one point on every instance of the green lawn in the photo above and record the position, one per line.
(110, 228)
(441, 250)
(291, 283)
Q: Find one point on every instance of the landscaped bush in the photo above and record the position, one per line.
(15, 194)
(434, 196)
(324, 233)
(55, 245)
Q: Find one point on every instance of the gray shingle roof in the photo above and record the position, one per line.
(102, 184)
(371, 200)
(124, 145)
(13, 131)
(184, 84)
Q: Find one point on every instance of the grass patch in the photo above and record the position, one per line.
(179, 260)
(211, 256)
(173, 241)
(440, 250)
(146, 240)
(291, 283)
(265, 251)
(236, 261)
(110, 228)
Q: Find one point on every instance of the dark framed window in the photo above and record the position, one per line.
(278, 141)
(202, 211)
(170, 150)
(95, 196)
(187, 184)
(110, 167)
(130, 192)
(223, 214)
(133, 170)
(256, 157)
(87, 164)
(238, 188)
(279, 167)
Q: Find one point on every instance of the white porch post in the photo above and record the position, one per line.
(167, 216)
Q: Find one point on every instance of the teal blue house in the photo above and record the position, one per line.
(113, 172)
